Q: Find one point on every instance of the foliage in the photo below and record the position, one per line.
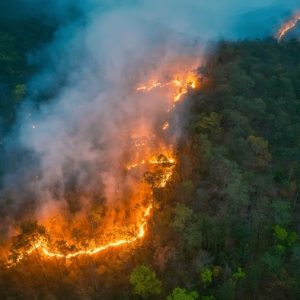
(183, 294)
(207, 276)
(232, 211)
(145, 282)
(280, 232)
(239, 274)
(182, 215)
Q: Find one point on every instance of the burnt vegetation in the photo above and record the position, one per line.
(226, 227)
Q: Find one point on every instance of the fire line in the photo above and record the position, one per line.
(288, 26)
(164, 163)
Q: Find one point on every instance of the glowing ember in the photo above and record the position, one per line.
(135, 165)
(163, 160)
(288, 26)
(149, 87)
(165, 126)
(180, 85)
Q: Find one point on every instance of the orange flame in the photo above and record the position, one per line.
(288, 26)
(151, 155)
(181, 85)
(42, 244)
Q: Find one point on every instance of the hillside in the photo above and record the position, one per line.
(227, 224)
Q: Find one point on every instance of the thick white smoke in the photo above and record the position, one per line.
(93, 65)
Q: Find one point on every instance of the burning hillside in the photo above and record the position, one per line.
(149, 149)
(121, 215)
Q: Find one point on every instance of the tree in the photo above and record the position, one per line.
(206, 276)
(182, 294)
(31, 235)
(209, 123)
(259, 147)
(27, 242)
(145, 282)
(182, 215)
(239, 274)
(193, 234)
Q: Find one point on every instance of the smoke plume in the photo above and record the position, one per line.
(74, 142)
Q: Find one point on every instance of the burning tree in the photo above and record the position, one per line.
(30, 239)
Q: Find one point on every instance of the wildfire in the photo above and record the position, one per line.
(135, 165)
(43, 245)
(154, 161)
(163, 160)
(150, 86)
(162, 166)
(288, 26)
(180, 85)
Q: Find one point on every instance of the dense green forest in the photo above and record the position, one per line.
(228, 226)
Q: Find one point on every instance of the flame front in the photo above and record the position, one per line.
(141, 233)
(180, 85)
(150, 161)
(288, 26)
(43, 245)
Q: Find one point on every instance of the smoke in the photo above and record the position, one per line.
(49, 11)
(77, 139)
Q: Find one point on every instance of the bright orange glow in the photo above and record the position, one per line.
(43, 245)
(288, 26)
(165, 126)
(167, 159)
(180, 85)
(149, 87)
(149, 163)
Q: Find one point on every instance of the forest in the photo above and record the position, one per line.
(226, 226)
